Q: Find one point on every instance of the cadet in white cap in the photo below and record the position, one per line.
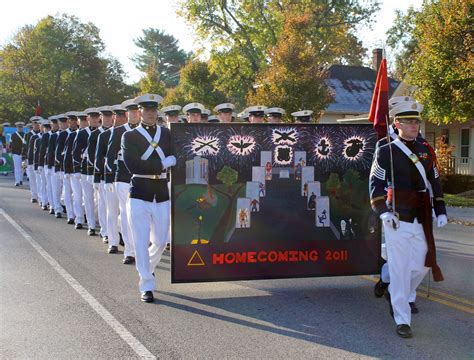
(243, 116)
(17, 142)
(118, 174)
(213, 119)
(99, 174)
(274, 115)
(113, 209)
(193, 112)
(224, 112)
(49, 161)
(68, 169)
(55, 158)
(40, 153)
(303, 116)
(256, 114)
(30, 158)
(83, 121)
(205, 115)
(171, 113)
(148, 153)
(409, 221)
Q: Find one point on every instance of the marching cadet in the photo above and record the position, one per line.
(55, 140)
(49, 161)
(83, 119)
(41, 146)
(205, 115)
(303, 116)
(30, 158)
(256, 114)
(118, 175)
(224, 112)
(213, 119)
(17, 142)
(68, 169)
(148, 153)
(171, 113)
(161, 118)
(274, 115)
(80, 161)
(99, 174)
(244, 116)
(193, 112)
(119, 119)
(106, 122)
(408, 221)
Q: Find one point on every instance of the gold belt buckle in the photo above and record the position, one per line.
(414, 158)
(155, 177)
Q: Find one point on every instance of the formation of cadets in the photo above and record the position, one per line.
(112, 163)
(103, 164)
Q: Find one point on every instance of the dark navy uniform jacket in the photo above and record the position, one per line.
(36, 150)
(31, 147)
(59, 152)
(79, 153)
(114, 164)
(407, 179)
(43, 148)
(91, 150)
(67, 160)
(100, 152)
(27, 143)
(16, 143)
(51, 150)
(134, 145)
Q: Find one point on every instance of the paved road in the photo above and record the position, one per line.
(63, 297)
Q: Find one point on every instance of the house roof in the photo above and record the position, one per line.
(352, 88)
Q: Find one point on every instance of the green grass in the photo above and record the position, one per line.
(456, 200)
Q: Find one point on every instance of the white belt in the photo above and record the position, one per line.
(154, 177)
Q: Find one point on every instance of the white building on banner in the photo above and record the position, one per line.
(197, 171)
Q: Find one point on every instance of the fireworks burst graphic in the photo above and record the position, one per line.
(205, 145)
(284, 136)
(241, 145)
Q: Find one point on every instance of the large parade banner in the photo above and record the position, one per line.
(262, 201)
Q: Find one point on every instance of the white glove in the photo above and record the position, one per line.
(390, 219)
(90, 179)
(168, 162)
(96, 186)
(40, 169)
(77, 175)
(109, 187)
(442, 220)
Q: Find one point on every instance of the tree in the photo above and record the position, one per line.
(59, 62)
(151, 83)
(441, 65)
(242, 34)
(195, 85)
(160, 53)
(227, 176)
(333, 184)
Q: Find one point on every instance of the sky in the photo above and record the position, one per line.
(120, 22)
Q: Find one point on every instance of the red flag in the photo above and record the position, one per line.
(38, 109)
(379, 107)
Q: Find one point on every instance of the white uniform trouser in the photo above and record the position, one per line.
(168, 238)
(112, 215)
(43, 189)
(88, 198)
(32, 180)
(17, 168)
(406, 251)
(122, 193)
(38, 185)
(102, 209)
(49, 186)
(77, 198)
(56, 186)
(149, 222)
(68, 196)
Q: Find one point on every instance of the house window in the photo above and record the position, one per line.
(445, 133)
(465, 143)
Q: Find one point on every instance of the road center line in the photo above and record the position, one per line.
(126, 335)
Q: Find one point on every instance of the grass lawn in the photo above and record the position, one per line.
(456, 200)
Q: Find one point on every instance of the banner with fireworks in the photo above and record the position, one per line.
(262, 201)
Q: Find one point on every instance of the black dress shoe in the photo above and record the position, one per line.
(78, 226)
(168, 247)
(380, 288)
(404, 331)
(91, 232)
(17, 184)
(147, 296)
(414, 309)
(45, 208)
(70, 221)
(58, 216)
(387, 297)
(112, 249)
(51, 211)
(128, 260)
(105, 239)
(64, 210)
(34, 201)
(21, 182)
